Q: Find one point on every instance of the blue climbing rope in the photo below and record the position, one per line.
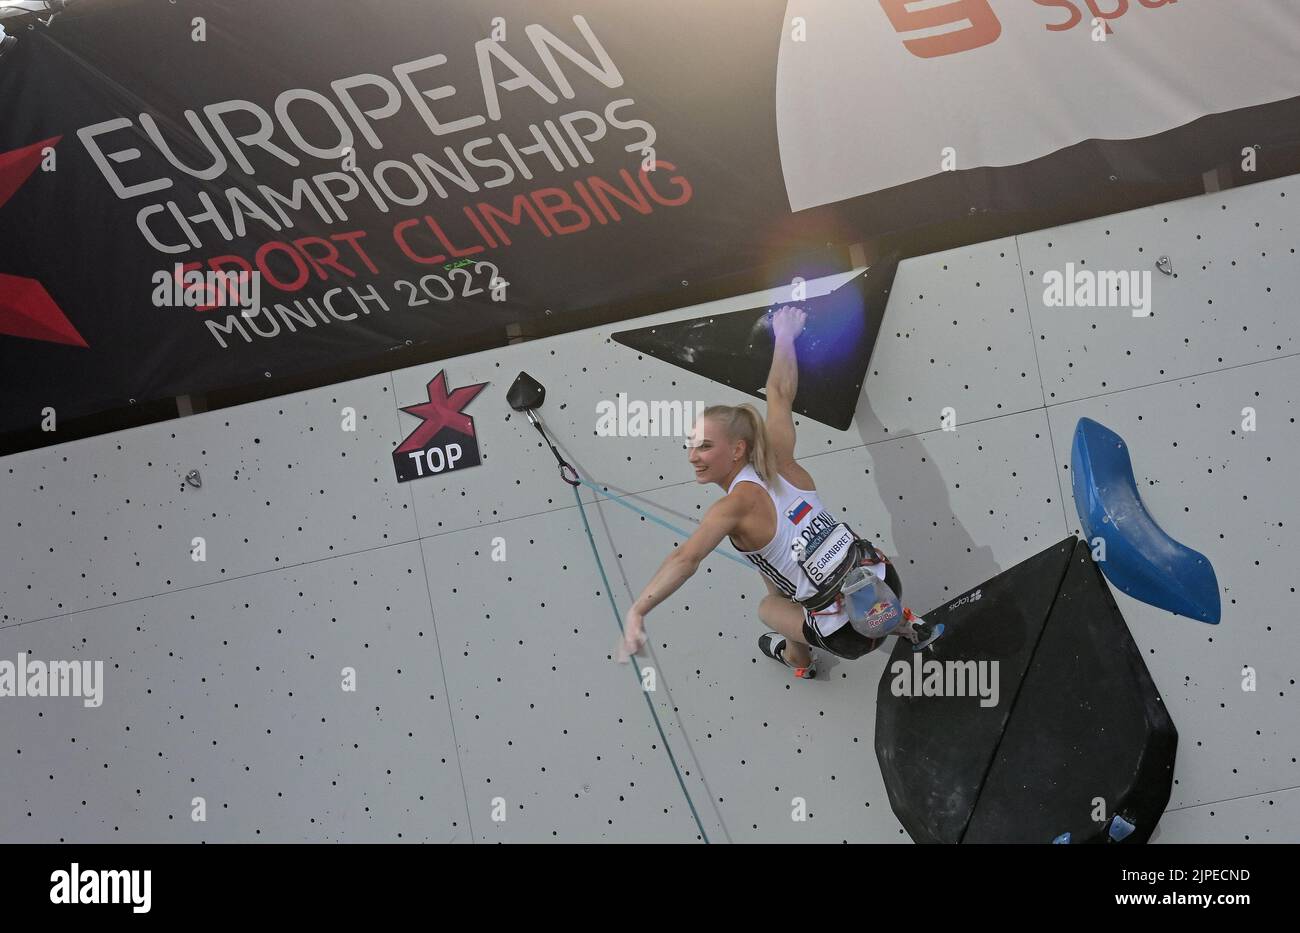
(658, 521)
(636, 673)
(618, 619)
(531, 395)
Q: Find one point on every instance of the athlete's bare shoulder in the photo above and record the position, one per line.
(746, 493)
(797, 476)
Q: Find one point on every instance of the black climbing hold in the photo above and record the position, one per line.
(1077, 717)
(934, 751)
(525, 393)
(834, 350)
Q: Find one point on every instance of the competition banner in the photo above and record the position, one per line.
(207, 194)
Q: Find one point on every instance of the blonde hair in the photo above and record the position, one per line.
(744, 423)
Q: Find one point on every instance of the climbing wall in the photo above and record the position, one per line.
(359, 659)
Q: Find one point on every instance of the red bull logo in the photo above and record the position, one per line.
(881, 611)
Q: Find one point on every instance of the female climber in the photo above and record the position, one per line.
(773, 515)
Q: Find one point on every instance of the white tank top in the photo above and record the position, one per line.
(799, 514)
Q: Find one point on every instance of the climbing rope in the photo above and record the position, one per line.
(618, 618)
(659, 521)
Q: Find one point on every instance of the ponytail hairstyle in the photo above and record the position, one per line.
(744, 423)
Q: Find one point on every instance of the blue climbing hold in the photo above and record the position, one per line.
(1140, 558)
(1061, 840)
(1120, 828)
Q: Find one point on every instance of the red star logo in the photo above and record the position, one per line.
(26, 308)
(443, 410)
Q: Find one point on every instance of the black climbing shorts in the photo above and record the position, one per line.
(846, 642)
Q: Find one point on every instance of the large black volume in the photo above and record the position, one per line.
(1078, 731)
